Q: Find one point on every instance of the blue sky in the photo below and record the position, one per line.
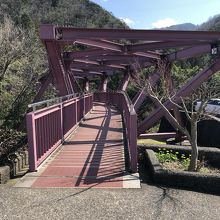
(146, 14)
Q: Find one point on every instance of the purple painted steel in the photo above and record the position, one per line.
(86, 61)
(100, 44)
(148, 54)
(107, 45)
(102, 55)
(124, 84)
(191, 85)
(75, 85)
(47, 80)
(121, 100)
(57, 69)
(47, 128)
(162, 45)
(47, 32)
(85, 54)
(56, 37)
(189, 52)
(96, 67)
(31, 128)
(70, 33)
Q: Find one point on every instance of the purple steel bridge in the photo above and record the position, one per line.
(102, 56)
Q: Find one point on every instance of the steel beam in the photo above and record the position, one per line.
(148, 54)
(86, 61)
(87, 54)
(191, 85)
(57, 69)
(117, 47)
(189, 52)
(75, 85)
(160, 45)
(44, 85)
(124, 84)
(96, 68)
(87, 74)
(101, 44)
(70, 34)
(93, 65)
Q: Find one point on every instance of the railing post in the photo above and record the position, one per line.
(76, 110)
(133, 140)
(61, 123)
(32, 148)
(84, 107)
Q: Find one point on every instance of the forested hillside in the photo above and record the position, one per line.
(78, 13)
(213, 24)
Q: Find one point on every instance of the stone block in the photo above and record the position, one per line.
(4, 174)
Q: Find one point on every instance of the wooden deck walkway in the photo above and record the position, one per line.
(93, 156)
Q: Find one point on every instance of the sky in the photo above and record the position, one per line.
(148, 14)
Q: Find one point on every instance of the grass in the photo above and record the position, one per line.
(149, 141)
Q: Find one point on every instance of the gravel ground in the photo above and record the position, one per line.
(149, 202)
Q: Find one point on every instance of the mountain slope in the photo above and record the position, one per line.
(213, 24)
(184, 26)
(78, 13)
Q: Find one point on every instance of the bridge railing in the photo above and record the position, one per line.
(121, 100)
(48, 127)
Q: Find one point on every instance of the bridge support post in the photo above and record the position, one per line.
(103, 83)
(86, 84)
(32, 146)
(133, 141)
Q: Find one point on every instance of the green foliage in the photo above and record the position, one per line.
(78, 13)
(114, 81)
(10, 142)
(21, 65)
(213, 24)
(168, 156)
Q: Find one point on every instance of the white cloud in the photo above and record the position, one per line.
(128, 21)
(104, 0)
(166, 22)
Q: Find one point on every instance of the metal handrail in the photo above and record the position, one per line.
(127, 98)
(129, 102)
(57, 100)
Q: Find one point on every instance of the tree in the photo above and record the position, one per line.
(22, 63)
(161, 92)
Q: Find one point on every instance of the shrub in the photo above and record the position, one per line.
(10, 142)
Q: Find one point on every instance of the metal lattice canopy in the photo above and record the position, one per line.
(104, 53)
